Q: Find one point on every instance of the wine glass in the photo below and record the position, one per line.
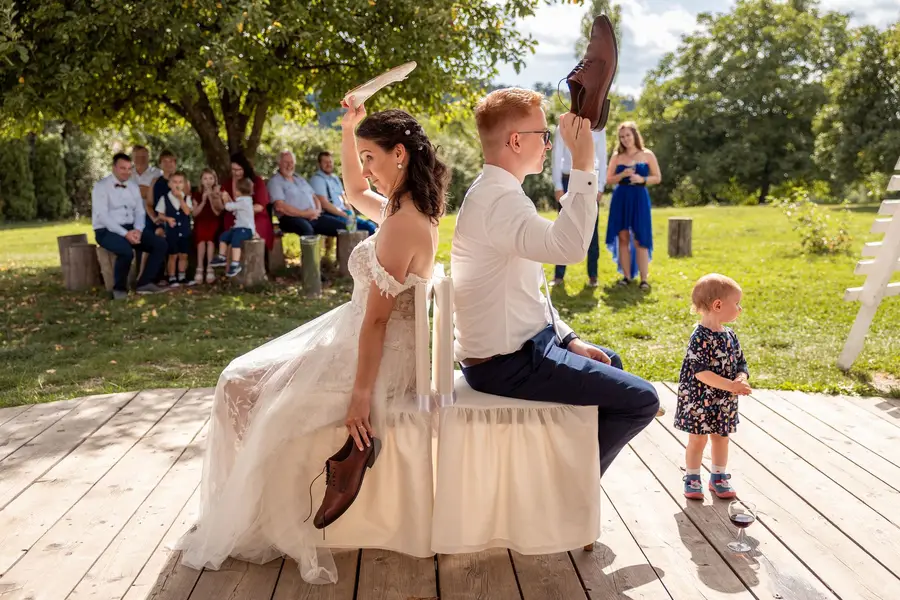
(742, 515)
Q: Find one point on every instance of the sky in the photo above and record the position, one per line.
(650, 28)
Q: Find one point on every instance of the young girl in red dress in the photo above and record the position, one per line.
(209, 202)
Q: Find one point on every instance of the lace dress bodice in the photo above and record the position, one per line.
(365, 269)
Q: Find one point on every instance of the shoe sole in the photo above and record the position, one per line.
(377, 444)
(694, 495)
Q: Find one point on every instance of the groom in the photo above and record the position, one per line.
(509, 339)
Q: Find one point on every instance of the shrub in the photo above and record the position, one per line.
(16, 183)
(50, 178)
(818, 233)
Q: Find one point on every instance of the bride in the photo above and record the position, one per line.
(282, 409)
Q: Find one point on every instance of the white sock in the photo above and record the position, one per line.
(717, 469)
(693, 471)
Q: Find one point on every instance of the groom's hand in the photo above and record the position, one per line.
(576, 133)
(588, 351)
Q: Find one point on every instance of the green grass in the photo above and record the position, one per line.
(57, 344)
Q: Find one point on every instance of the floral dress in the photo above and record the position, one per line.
(703, 409)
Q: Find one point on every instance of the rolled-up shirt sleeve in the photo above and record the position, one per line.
(518, 229)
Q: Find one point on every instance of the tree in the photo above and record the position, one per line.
(734, 106)
(610, 8)
(859, 129)
(50, 178)
(225, 67)
(16, 185)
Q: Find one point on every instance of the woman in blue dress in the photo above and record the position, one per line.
(629, 231)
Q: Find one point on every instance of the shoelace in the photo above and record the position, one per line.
(329, 478)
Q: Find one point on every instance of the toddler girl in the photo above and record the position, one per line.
(209, 203)
(713, 374)
(244, 228)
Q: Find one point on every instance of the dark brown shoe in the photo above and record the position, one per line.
(344, 474)
(590, 80)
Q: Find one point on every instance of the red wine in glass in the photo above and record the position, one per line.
(742, 515)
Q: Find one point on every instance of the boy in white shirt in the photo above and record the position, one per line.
(244, 228)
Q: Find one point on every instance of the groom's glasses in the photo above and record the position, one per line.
(545, 134)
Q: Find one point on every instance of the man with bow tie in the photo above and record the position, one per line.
(118, 216)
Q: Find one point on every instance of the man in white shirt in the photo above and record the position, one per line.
(143, 173)
(509, 339)
(117, 214)
(561, 162)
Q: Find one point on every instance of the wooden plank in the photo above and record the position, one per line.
(547, 577)
(37, 509)
(891, 289)
(238, 580)
(792, 579)
(880, 226)
(871, 249)
(385, 575)
(861, 427)
(890, 207)
(164, 577)
(29, 462)
(670, 541)
(842, 565)
(125, 557)
(486, 575)
(864, 458)
(867, 267)
(878, 536)
(617, 568)
(11, 412)
(73, 544)
(757, 421)
(886, 409)
(292, 587)
(19, 430)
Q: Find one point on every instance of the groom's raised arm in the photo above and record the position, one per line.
(517, 228)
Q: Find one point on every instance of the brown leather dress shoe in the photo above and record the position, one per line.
(344, 474)
(590, 80)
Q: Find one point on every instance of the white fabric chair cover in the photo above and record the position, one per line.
(510, 473)
(393, 510)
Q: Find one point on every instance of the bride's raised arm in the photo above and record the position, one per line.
(359, 194)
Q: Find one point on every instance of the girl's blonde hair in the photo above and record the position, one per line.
(710, 288)
(211, 172)
(638, 140)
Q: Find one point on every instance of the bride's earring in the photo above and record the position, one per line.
(399, 165)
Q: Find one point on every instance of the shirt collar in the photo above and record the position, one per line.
(501, 176)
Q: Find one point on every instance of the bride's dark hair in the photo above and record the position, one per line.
(427, 177)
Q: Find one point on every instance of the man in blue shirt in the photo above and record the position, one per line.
(118, 217)
(330, 192)
(296, 205)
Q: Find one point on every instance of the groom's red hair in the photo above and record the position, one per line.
(504, 106)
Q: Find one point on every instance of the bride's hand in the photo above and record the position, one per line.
(357, 420)
(353, 116)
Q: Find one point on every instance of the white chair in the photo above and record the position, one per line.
(510, 473)
(393, 510)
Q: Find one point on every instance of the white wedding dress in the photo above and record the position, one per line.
(278, 415)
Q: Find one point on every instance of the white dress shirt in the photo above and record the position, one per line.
(561, 159)
(113, 207)
(499, 248)
(147, 177)
(173, 200)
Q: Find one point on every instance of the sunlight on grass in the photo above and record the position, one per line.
(56, 344)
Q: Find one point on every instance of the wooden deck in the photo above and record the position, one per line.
(93, 490)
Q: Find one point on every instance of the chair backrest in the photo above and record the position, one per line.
(443, 373)
(423, 357)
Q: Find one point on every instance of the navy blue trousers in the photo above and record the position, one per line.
(151, 243)
(593, 254)
(543, 370)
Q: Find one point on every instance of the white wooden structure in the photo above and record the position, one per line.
(883, 259)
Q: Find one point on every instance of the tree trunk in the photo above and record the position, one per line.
(680, 236)
(766, 184)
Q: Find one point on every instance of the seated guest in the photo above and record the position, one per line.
(242, 169)
(243, 228)
(296, 205)
(330, 193)
(118, 217)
